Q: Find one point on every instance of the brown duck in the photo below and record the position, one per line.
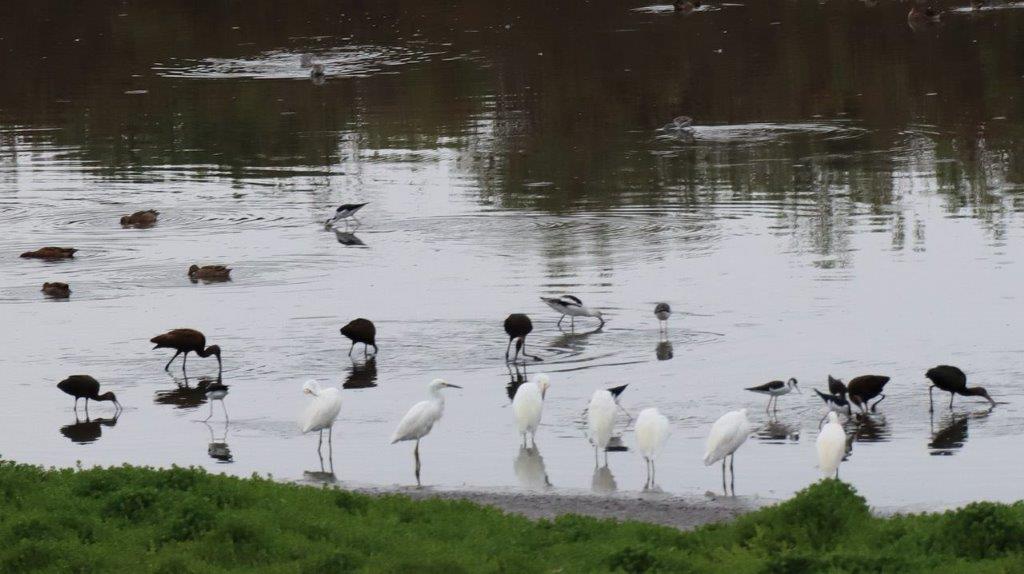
(186, 341)
(50, 253)
(57, 290)
(140, 218)
(209, 273)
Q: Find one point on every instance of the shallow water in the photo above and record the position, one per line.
(846, 203)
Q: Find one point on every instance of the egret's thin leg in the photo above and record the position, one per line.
(320, 443)
(330, 438)
(167, 367)
(732, 473)
(724, 489)
(416, 453)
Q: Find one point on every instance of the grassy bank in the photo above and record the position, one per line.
(184, 520)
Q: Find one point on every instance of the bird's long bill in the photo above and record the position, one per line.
(452, 386)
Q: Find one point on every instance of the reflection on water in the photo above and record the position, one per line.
(516, 377)
(603, 482)
(779, 431)
(529, 469)
(663, 351)
(868, 427)
(184, 395)
(348, 239)
(87, 431)
(573, 342)
(949, 431)
(218, 448)
(362, 374)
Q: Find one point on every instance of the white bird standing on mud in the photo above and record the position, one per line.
(573, 307)
(831, 445)
(528, 406)
(321, 413)
(652, 432)
(727, 435)
(417, 423)
(601, 421)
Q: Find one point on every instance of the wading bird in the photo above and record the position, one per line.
(727, 435)
(953, 381)
(528, 406)
(517, 327)
(835, 403)
(774, 390)
(145, 218)
(864, 388)
(50, 253)
(831, 445)
(209, 273)
(57, 290)
(186, 341)
(321, 413)
(86, 387)
(216, 391)
(662, 311)
(361, 331)
(601, 421)
(573, 307)
(652, 431)
(835, 386)
(421, 418)
(345, 212)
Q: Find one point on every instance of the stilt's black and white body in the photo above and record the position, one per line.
(662, 311)
(345, 213)
(517, 327)
(86, 387)
(953, 381)
(616, 393)
(835, 403)
(864, 388)
(417, 423)
(573, 307)
(774, 390)
(216, 391)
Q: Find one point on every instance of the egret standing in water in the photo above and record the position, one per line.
(727, 435)
(652, 431)
(417, 423)
(601, 421)
(321, 412)
(528, 406)
(831, 446)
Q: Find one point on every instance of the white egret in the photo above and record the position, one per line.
(727, 435)
(528, 406)
(601, 420)
(831, 445)
(321, 413)
(417, 423)
(652, 431)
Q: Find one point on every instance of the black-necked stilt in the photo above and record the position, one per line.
(727, 435)
(345, 212)
(50, 253)
(835, 386)
(145, 218)
(662, 311)
(775, 389)
(57, 290)
(864, 388)
(573, 307)
(186, 341)
(86, 387)
(216, 391)
(361, 331)
(835, 403)
(517, 327)
(953, 381)
(209, 273)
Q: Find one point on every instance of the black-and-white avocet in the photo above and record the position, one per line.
(573, 307)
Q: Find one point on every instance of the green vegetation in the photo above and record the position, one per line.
(184, 520)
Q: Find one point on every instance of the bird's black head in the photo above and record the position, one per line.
(108, 396)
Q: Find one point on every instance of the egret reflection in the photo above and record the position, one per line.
(529, 468)
(89, 430)
(603, 482)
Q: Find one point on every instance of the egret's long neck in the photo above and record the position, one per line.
(436, 395)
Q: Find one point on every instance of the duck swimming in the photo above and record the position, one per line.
(50, 253)
(140, 218)
(209, 273)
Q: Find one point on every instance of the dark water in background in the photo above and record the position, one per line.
(849, 202)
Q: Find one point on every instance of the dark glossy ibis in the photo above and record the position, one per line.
(361, 331)
(209, 273)
(86, 387)
(953, 381)
(57, 290)
(140, 219)
(186, 341)
(864, 388)
(835, 386)
(50, 253)
(517, 327)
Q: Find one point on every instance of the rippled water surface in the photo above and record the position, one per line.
(848, 201)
